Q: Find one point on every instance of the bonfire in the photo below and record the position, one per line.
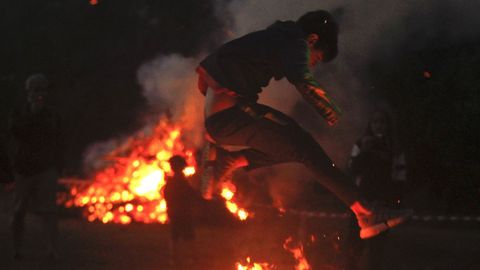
(130, 188)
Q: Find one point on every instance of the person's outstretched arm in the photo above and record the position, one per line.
(320, 100)
(295, 59)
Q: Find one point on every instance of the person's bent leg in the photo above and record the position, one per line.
(371, 219)
(280, 139)
(218, 166)
(273, 137)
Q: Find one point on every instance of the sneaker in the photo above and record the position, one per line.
(218, 170)
(380, 220)
(225, 164)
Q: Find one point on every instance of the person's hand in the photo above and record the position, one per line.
(320, 100)
(326, 105)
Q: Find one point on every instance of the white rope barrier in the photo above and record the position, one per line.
(422, 218)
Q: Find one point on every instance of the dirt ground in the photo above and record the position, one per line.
(84, 245)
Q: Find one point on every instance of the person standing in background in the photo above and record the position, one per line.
(378, 170)
(180, 198)
(37, 161)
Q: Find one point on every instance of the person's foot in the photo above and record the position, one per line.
(225, 164)
(380, 219)
(219, 170)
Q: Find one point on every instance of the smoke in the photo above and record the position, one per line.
(169, 83)
(169, 86)
(94, 156)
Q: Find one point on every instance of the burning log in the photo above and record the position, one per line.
(130, 188)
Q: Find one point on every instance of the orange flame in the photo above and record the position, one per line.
(228, 193)
(253, 265)
(130, 189)
(297, 251)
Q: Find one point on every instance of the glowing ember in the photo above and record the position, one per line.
(130, 189)
(253, 265)
(297, 251)
(228, 193)
(189, 171)
(93, 2)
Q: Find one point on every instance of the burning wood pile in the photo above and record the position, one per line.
(130, 188)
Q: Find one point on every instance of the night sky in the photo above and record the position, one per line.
(91, 53)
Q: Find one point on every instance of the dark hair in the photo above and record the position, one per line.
(37, 82)
(177, 163)
(321, 22)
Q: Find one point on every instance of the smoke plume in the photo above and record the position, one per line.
(169, 83)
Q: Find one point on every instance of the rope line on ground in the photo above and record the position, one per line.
(331, 215)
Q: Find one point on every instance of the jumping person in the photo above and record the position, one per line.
(232, 77)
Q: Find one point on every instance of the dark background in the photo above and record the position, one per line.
(91, 54)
